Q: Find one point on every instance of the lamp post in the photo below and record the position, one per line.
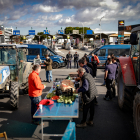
(83, 33)
(100, 27)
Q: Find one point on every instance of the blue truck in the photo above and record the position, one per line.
(103, 51)
(35, 49)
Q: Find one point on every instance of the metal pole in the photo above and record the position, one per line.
(100, 28)
(83, 34)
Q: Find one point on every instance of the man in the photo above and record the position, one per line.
(35, 90)
(86, 57)
(114, 60)
(37, 60)
(110, 72)
(89, 65)
(89, 92)
(92, 68)
(95, 61)
(48, 62)
(83, 65)
(69, 58)
(106, 63)
(76, 58)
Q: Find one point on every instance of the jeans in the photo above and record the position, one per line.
(34, 102)
(75, 63)
(68, 63)
(109, 86)
(49, 74)
(86, 108)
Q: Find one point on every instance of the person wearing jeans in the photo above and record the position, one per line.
(89, 91)
(48, 62)
(110, 72)
(35, 90)
(49, 74)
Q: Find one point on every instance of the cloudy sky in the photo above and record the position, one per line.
(55, 14)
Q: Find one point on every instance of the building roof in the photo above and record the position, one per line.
(116, 35)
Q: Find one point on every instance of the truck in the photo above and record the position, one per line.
(14, 72)
(128, 86)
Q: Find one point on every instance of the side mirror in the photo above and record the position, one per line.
(133, 39)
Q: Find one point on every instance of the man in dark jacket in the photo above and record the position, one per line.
(82, 64)
(86, 57)
(89, 92)
(69, 58)
(48, 62)
(76, 58)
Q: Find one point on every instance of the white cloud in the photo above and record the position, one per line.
(45, 8)
(55, 17)
(110, 4)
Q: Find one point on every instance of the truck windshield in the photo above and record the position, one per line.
(52, 51)
(94, 51)
(7, 56)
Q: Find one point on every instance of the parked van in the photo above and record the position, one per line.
(104, 51)
(35, 49)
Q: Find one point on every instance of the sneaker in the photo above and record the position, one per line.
(103, 85)
(81, 125)
(90, 123)
(107, 99)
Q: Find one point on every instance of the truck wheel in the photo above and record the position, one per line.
(55, 65)
(14, 95)
(136, 115)
(125, 94)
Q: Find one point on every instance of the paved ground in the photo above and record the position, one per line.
(110, 123)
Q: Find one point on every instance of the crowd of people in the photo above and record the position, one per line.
(87, 72)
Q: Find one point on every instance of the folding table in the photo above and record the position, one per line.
(57, 111)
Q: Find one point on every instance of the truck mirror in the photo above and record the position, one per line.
(133, 39)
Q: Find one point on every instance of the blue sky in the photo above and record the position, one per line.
(55, 14)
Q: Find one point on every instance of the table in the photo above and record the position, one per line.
(57, 111)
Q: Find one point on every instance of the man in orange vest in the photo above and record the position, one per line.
(95, 61)
(35, 90)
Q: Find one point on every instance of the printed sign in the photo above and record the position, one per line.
(75, 31)
(16, 32)
(121, 32)
(1, 32)
(60, 31)
(89, 32)
(47, 32)
(31, 32)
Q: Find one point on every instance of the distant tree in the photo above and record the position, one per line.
(69, 30)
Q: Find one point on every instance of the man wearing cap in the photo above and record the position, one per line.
(69, 58)
(86, 57)
(89, 92)
(76, 58)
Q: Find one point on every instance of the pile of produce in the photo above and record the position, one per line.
(66, 100)
(50, 95)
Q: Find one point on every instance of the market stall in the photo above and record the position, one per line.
(65, 104)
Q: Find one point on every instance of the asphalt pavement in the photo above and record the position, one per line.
(110, 123)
